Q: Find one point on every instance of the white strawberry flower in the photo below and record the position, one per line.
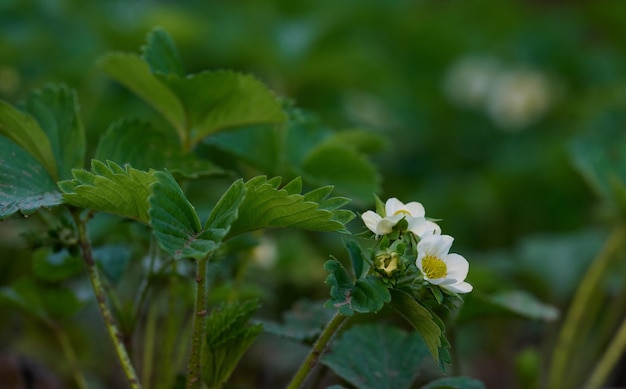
(439, 267)
(395, 210)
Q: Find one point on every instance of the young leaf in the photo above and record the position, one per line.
(25, 185)
(24, 130)
(420, 318)
(220, 100)
(228, 337)
(136, 143)
(132, 72)
(367, 294)
(267, 206)
(110, 188)
(377, 356)
(455, 383)
(161, 54)
(356, 256)
(56, 110)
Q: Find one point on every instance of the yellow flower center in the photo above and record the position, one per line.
(434, 267)
(401, 212)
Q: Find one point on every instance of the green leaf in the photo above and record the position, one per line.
(524, 304)
(56, 110)
(43, 301)
(360, 140)
(228, 337)
(113, 259)
(24, 130)
(136, 143)
(420, 318)
(267, 206)
(377, 356)
(367, 294)
(110, 188)
(25, 185)
(356, 256)
(55, 267)
(455, 383)
(303, 322)
(219, 100)
(161, 53)
(132, 72)
(348, 170)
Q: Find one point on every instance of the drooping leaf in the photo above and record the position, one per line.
(25, 185)
(228, 337)
(377, 356)
(220, 100)
(161, 54)
(54, 267)
(56, 110)
(455, 383)
(267, 206)
(304, 321)
(110, 188)
(132, 72)
(367, 294)
(23, 130)
(136, 143)
(420, 318)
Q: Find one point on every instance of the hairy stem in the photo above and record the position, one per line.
(570, 329)
(105, 311)
(317, 351)
(610, 357)
(199, 324)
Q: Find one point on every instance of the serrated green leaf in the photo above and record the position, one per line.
(455, 383)
(265, 206)
(55, 267)
(349, 171)
(226, 211)
(377, 356)
(110, 188)
(420, 318)
(136, 143)
(23, 130)
(304, 321)
(161, 53)
(56, 110)
(132, 72)
(367, 294)
(228, 338)
(25, 185)
(219, 100)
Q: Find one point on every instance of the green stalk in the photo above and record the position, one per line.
(105, 312)
(317, 351)
(570, 329)
(611, 356)
(199, 325)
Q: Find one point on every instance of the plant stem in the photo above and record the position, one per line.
(68, 350)
(609, 359)
(571, 326)
(105, 312)
(317, 351)
(199, 324)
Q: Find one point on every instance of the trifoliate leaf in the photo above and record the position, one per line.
(25, 185)
(176, 224)
(136, 143)
(267, 206)
(161, 53)
(23, 130)
(304, 321)
(367, 294)
(455, 383)
(420, 318)
(219, 100)
(377, 356)
(132, 72)
(228, 337)
(56, 110)
(110, 188)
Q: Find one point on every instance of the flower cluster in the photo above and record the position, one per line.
(407, 226)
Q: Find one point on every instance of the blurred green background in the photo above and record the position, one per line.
(480, 102)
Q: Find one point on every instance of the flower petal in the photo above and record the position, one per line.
(457, 266)
(445, 281)
(416, 209)
(422, 227)
(371, 220)
(462, 287)
(435, 245)
(385, 226)
(392, 206)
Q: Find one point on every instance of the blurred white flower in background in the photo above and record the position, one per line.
(513, 97)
